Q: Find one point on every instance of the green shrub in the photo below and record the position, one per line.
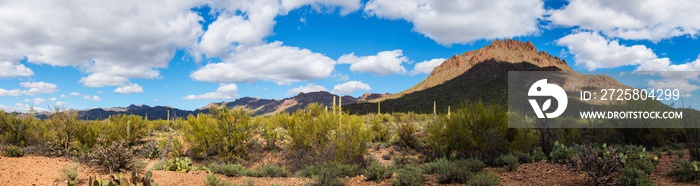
(330, 173)
(212, 180)
(524, 157)
(538, 155)
(561, 153)
(472, 131)
(269, 170)
(13, 151)
(113, 158)
(150, 150)
(13, 129)
(160, 165)
(681, 154)
(483, 179)
(319, 136)
(225, 133)
(64, 129)
(179, 164)
(509, 161)
(379, 126)
(635, 177)
(684, 170)
(408, 176)
(130, 128)
(69, 173)
(377, 172)
(456, 171)
(405, 132)
(230, 170)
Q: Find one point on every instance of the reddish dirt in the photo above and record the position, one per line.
(39, 170)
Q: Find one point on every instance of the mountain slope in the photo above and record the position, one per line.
(480, 75)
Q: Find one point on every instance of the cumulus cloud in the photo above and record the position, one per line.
(593, 51)
(346, 6)
(39, 100)
(53, 99)
(450, 22)
(23, 108)
(270, 62)
(60, 104)
(108, 40)
(306, 89)
(31, 88)
(74, 94)
(426, 67)
(129, 88)
(350, 87)
(645, 19)
(92, 98)
(249, 22)
(383, 63)
(225, 91)
(10, 69)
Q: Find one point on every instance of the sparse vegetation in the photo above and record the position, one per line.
(69, 173)
(116, 157)
(408, 176)
(13, 151)
(377, 172)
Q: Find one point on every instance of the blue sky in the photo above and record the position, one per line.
(186, 54)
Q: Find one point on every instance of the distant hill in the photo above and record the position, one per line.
(301, 100)
(480, 75)
(255, 105)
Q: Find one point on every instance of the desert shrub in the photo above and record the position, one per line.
(150, 150)
(330, 173)
(408, 176)
(599, 165)
(269, 170)
(538, 155)
(64, 127)
(483, 179)
(509, 161)
(377, 172)
(115, 157)
(180, 164)
(13, 129)
(684, 170)
(406, 135)
(524, 157)
(172, 147)
(225, 133)
(160, 165)
(634, 177)
(230, 170)
(681, 154)
(212, 180)
(474, 130)
(561, 153)
(129, 128)
(455, 171)
(379, 126)
(88, 135)
(319, 136)
(402, 160)
(69, 173)
(269, 129)
(13, 151)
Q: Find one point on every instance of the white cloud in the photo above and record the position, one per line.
(9, 69)
(592, 51)
(74, 94)
(63, 96)
(39, 100)
(383, 63)
(270, 62)
(249, 22)
(225, 91)
(111, 41)
(350, 87)
(24, 108)
(306, 89)
(449, 22)
(53, 99)
(426, 67)
(60, 104)
(129, 88)
(92, 98)
(32, 88)
(644, 19)
(346, 6)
